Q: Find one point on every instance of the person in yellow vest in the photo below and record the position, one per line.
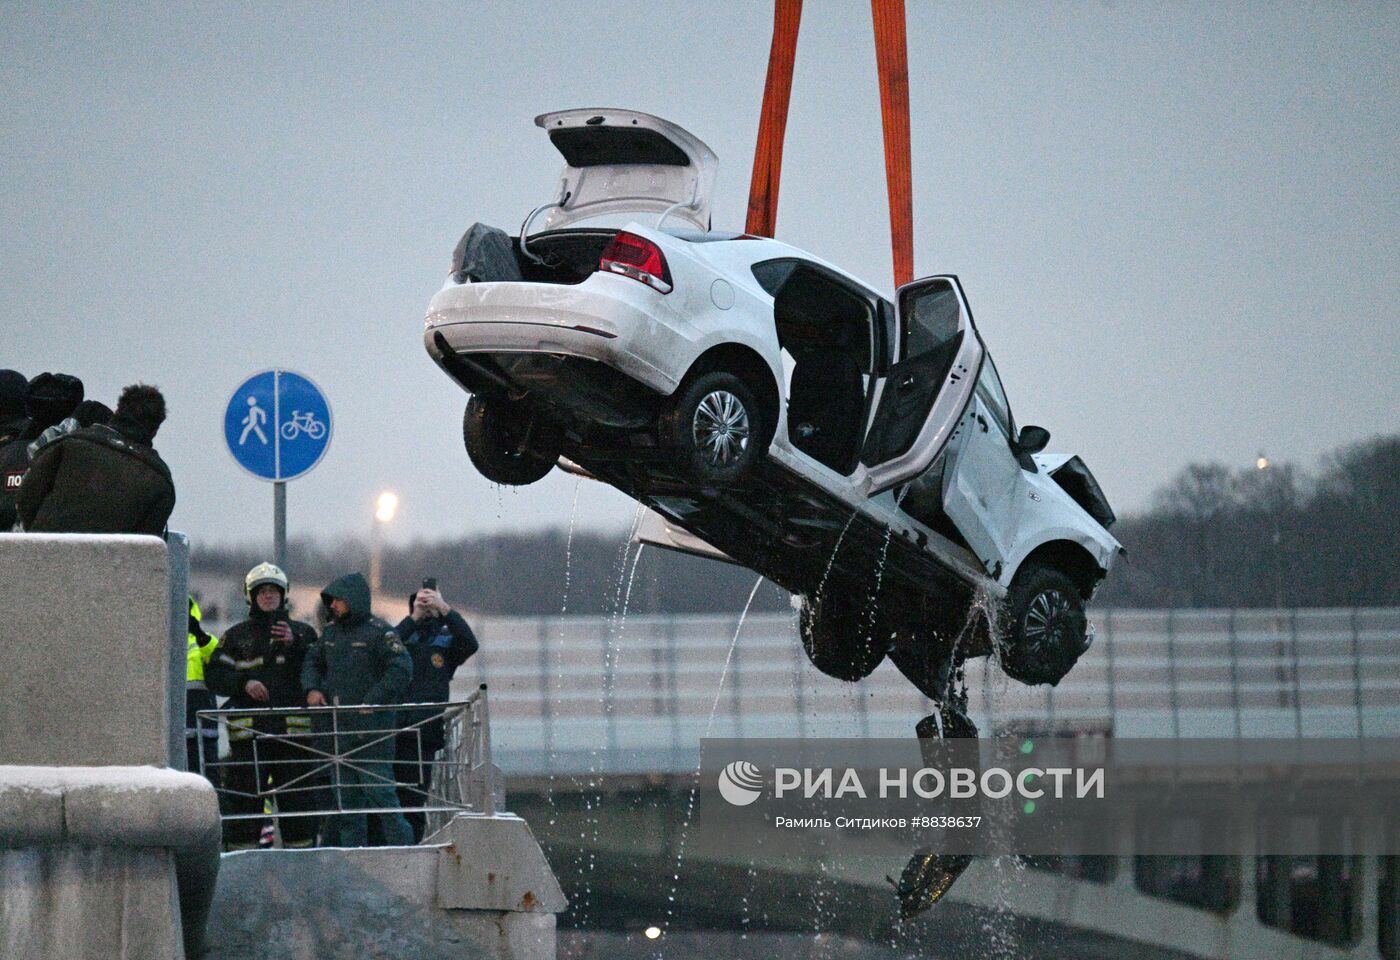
(197, 696)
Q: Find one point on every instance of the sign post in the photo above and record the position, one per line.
(277, 427)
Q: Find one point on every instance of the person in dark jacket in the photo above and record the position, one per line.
(89, 413)
(359, 660)
(48, 399)
(439, 641)
(12, 418)
(258, 664)
(103, 479)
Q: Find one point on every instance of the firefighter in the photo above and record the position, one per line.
(199, 740)
(258, 665)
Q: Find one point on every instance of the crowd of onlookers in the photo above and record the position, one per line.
(70, 464)
(317, 767)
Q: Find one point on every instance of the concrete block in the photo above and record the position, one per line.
(123, 813)
(30, 814)
(141, 807)
(89, 903)
(373, 904)
(495, 863)
(84, 648)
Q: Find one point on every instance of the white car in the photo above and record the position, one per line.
(859, 453)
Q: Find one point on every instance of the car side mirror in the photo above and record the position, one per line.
(1032, 439)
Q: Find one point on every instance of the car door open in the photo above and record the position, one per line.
(925, 391)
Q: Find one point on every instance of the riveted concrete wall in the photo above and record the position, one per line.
(84, 648)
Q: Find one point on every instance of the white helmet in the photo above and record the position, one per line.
(261, 574)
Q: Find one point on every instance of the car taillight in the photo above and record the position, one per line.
(638, 258)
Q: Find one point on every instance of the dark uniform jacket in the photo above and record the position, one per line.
(99, 479)
(246, 652)
(359, 659)
(438, 646)
(14, 463)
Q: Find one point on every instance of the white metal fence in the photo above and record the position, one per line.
(317, 769)
(636, 694)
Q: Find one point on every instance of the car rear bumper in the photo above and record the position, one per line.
(601, 319)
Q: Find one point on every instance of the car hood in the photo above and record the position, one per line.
(624, 161)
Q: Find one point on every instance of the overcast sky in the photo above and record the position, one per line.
(1176, 223)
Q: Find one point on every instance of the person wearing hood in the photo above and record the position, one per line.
(359, 660)
(48, 399)
(439, 641)
(104, 478)
(258, 664)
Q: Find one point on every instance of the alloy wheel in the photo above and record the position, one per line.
(721, 428)
(1048, 620)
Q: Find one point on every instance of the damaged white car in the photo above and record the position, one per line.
(764, 403)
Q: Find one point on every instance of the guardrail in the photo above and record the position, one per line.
(635, 694)
(303, 761)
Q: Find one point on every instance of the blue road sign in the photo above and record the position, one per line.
(277, 425)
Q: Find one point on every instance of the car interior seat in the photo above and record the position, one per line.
(826, 405)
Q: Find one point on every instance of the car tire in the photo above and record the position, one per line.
(715, 428)
(838, 638)
(1046, 630)
(508, 441)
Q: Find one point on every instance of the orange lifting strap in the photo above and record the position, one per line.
(892, 61)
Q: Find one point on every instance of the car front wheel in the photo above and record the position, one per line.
(1046, 630)
(508, 441)
(714, 427)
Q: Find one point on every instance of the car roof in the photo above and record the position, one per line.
(752, 250)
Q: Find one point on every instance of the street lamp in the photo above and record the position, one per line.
(384, 509)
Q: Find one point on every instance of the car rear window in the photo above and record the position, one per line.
(605, 146)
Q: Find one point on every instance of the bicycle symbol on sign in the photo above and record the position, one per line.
(303, 423)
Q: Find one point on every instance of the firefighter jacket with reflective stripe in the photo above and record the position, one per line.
(247, 652)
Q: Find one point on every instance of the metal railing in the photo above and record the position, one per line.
(309, 761)
(636, 694)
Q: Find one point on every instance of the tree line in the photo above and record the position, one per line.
(1213, 537)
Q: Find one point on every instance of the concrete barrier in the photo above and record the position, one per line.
(84, 648)
(479, 890)
(93, 861)
(101, 853)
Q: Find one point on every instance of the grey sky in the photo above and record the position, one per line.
(1176, 223)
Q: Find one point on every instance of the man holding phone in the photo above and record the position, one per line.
(258, 664)
(439, 641)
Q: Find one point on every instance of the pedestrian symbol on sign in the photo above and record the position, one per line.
(253, 422)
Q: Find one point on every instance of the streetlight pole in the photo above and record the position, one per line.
(1274, 507)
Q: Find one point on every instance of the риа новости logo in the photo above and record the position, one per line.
(740, 783)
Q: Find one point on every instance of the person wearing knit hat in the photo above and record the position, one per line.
(48, 398)
(12, 418)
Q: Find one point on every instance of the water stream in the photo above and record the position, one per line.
(695, 777)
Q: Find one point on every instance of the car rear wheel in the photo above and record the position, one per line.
(714, 426)
(1046, 629)
(508, 441)
(838, 637)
